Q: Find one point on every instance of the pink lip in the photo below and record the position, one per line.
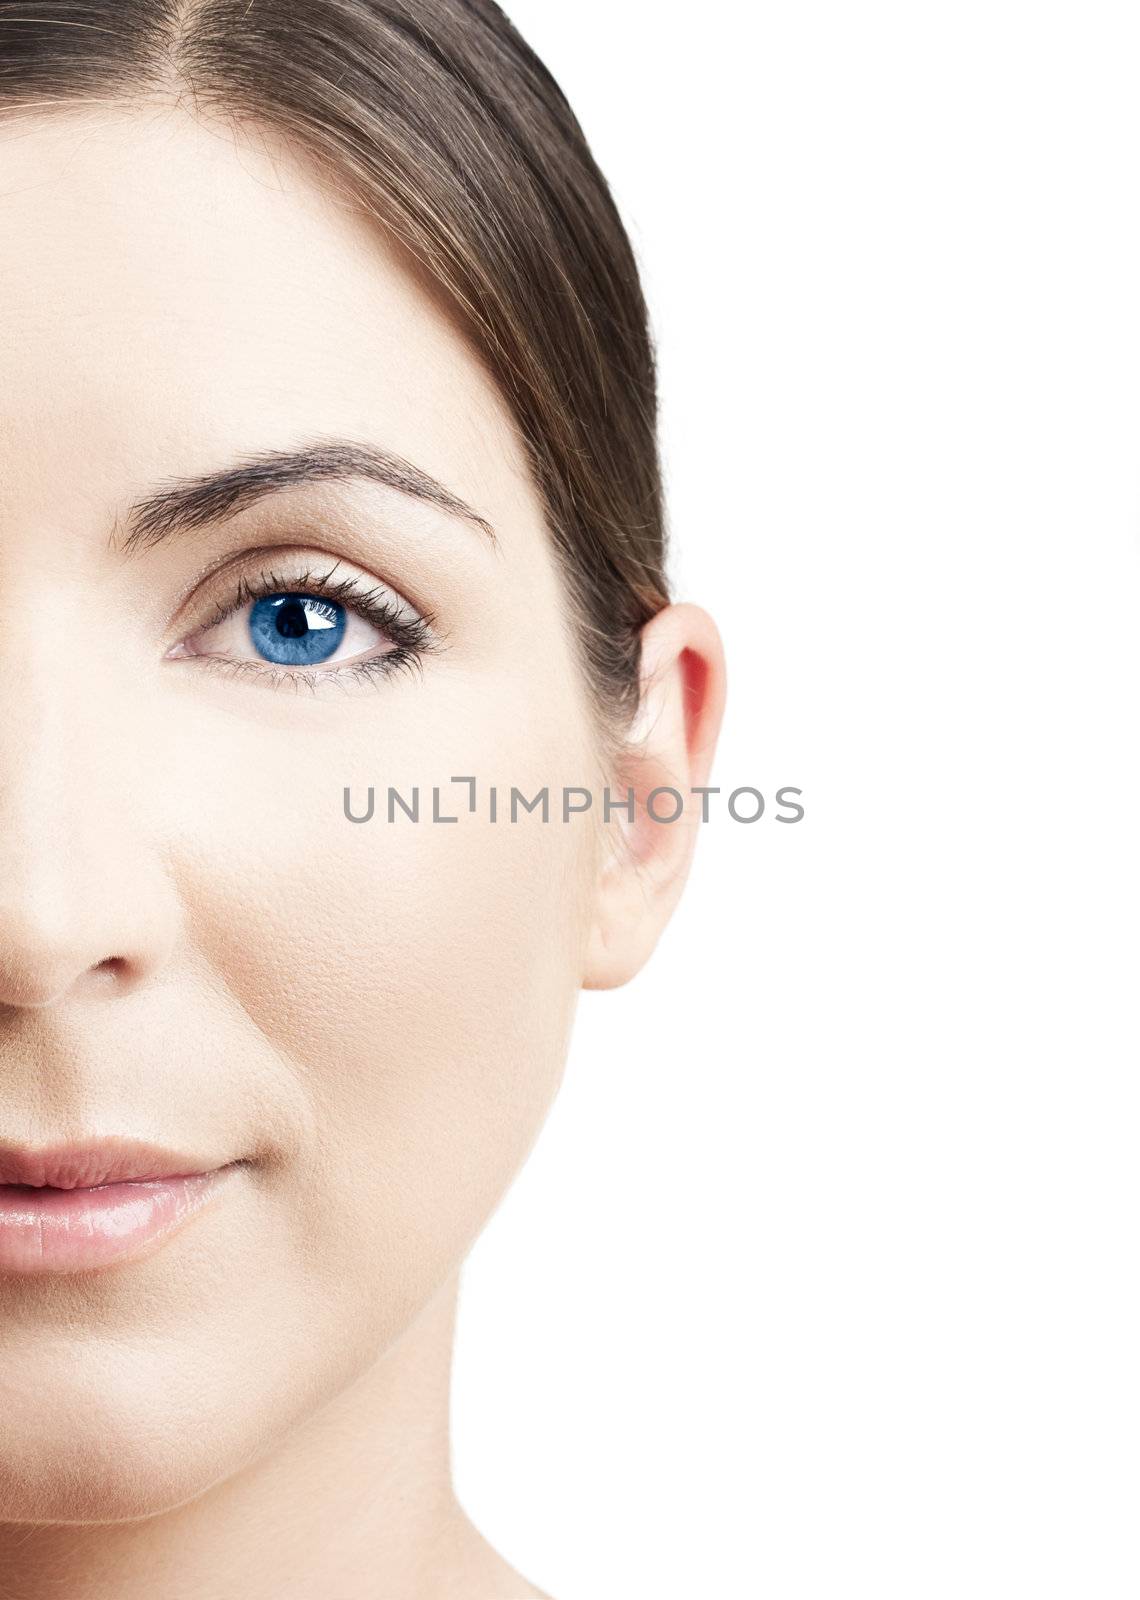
(74, 1207)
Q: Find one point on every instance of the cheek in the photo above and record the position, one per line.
(412, 983)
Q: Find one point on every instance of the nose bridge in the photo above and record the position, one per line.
(83, 894)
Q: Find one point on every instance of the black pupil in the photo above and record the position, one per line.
(292, 622)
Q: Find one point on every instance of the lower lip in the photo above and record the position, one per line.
(74, 1230)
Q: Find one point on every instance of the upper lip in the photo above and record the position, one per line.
(87, 1163)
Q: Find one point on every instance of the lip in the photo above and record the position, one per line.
(76, 1207)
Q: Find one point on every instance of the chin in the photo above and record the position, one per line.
(112, 1435)
(86, 1478)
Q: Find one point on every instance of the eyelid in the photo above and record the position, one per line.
(308, 557)
(354, 590)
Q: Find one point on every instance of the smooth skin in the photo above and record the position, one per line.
(196, 948)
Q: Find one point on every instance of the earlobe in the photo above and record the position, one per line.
(668, 753)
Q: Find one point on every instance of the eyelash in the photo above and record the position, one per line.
(410, 632)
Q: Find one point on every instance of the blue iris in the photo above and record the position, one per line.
(296, 630)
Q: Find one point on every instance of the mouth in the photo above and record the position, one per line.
(77, 1207)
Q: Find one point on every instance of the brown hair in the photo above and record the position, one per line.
(439, 118)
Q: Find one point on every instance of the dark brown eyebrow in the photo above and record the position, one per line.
(188, 503)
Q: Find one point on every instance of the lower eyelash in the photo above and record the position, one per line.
(370, 669)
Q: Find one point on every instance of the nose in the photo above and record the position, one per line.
(87, 907)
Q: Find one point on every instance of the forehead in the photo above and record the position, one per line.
(170, 293)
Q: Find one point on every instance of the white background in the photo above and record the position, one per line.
(822, 1279)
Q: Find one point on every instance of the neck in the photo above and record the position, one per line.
(357, 1502)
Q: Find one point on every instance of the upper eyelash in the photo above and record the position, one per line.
(411, 632)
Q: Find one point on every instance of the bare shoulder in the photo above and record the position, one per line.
(485, 1574)
(516, 1587)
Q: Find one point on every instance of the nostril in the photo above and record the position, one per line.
(115, 969)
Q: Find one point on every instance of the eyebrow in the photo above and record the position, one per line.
(189, 503)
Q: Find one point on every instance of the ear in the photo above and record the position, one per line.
(645, 861)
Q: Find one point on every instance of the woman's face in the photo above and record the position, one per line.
(197, 948)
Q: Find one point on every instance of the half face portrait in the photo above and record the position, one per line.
(328, 474)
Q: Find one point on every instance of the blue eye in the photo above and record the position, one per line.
(302, 627)
(296, 630)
